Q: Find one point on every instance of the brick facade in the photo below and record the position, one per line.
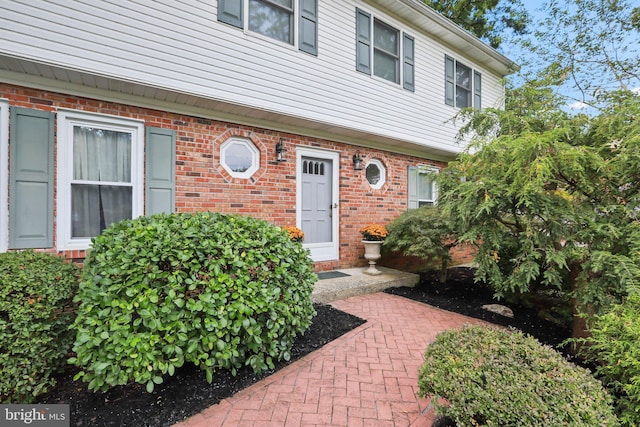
(270, 194)
(463, 254)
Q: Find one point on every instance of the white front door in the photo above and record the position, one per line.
(317, 200)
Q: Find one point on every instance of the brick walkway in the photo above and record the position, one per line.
(367, 377)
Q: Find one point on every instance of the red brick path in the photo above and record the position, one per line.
(367, 377)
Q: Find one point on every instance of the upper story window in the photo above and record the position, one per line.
(463, 86)
(275, 19)
(383, 50)
(272, 18)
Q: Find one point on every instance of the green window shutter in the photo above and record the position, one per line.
(160, 170)
(477, 90)
(412, 187)
(449, 81)
(308, 41)
(363, 41)
(230, 12)
(408, 72)
(31, 179)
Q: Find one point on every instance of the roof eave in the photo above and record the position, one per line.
(461, 38)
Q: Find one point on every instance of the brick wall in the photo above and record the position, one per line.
(270, 194)
(463, 254)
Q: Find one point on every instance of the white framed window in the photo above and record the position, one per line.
(239, 157)
(376, 174)
(272, 18)
(4, 176)
(427, 190)
(463, 86)
(100, 175)
(384, 51)
(422, 186)
(294, 22)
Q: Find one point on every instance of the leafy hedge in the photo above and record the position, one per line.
(614, 345)
(497, 377)
(215, 290)
(36, 309)
(427, 233)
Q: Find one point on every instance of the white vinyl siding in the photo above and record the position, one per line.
(97, 185)
(180, 46)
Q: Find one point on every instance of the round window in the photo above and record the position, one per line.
(239, 157)
(376, 173)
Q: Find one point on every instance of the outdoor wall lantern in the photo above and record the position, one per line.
(357, 161)
(280, 151)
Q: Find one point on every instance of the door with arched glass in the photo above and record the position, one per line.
(318, 210)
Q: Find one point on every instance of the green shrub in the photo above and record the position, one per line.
(615, 346)
(497, 377)
(425, 233)
(36, 294)
(218, 291)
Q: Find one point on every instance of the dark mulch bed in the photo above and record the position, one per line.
(187, 392)
(462, 295)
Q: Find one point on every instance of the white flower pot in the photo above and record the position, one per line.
(372, 254)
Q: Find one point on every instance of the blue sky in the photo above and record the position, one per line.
(536, 8)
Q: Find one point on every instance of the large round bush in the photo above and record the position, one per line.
(36, 309)
(215, 290)
(496, 377)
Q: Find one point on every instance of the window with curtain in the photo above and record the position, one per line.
(100, 175)
(101, 188)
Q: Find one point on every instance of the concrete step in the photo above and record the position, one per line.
(357, 283)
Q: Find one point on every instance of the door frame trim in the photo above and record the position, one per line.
(319, 251)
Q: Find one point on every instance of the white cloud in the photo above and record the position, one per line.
(636, 90)
(577, 105)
